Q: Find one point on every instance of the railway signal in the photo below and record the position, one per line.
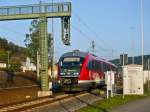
(65, 26)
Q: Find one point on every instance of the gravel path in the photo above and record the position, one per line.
(142, 105)
(69, 105)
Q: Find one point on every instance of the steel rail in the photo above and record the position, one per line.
(39, 102)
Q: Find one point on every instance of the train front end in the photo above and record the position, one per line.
(69, 71)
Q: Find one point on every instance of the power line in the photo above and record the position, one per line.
(95, 35)
(88, 28)
(81, 32)
(87, 37)
(110, 53)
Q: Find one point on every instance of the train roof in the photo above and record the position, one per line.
(79, 53)
(74, 53)
(103, 60)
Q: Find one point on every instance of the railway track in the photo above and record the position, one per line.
(34, 105)
(16, 94)
(69, 104)
(18, 87)
(39, 102)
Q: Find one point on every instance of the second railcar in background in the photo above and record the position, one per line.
(82, 71)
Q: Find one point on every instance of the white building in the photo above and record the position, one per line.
(3, 65)
(28, 65)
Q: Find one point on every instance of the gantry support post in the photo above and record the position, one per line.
(44, 54)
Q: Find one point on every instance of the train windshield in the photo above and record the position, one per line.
(71, 62)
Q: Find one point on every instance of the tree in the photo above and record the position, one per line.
(3, 44)
(3, 55)
(32, 39)
(15, 66)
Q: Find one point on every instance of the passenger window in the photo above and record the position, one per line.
(106, 67)
(89, 66)
(96, 65)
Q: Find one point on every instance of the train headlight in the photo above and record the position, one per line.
(76, 73)
(68, 73)
(62, 73)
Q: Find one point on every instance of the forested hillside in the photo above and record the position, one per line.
(13, 49)
(12, 52)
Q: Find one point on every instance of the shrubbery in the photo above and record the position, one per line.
(15, 66)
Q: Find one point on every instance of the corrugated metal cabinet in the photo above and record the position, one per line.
(133, 79)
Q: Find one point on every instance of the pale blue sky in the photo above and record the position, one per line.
(107, 22)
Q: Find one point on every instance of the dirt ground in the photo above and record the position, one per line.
(17, 95)
(18, 87)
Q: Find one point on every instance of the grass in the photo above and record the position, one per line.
(108, 104)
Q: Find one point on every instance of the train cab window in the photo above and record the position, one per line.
(71, 62)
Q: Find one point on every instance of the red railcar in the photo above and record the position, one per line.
(81, 71)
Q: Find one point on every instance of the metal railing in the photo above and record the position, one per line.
(35, 9)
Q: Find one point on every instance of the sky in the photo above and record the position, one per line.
(114, 25)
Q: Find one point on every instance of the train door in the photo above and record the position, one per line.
(102, 73)
(96, 71)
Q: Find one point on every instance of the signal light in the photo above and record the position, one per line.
(65, 26)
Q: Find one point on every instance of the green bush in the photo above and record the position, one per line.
(15, 66)
(3, 55)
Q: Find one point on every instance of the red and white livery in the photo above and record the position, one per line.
(82, 71)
